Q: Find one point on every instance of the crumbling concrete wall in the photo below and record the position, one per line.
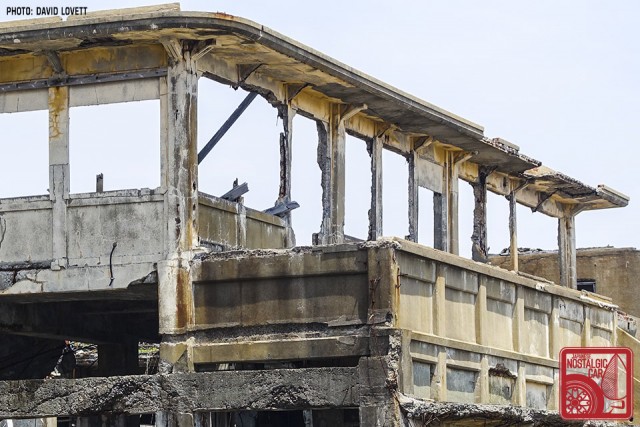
(614, 270)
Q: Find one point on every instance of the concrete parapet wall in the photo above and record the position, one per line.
(471, 333)
(230, 225)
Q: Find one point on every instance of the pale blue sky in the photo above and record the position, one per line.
(559, 79)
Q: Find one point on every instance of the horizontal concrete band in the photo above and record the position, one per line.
(181, 393)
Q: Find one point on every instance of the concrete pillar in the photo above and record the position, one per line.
(375, 213)
(180, 182)
(59, 179)
(445, 207)
(440, 222)
(519, 329)
(439, 301)
(567, 251)
(586, 328)
(378, 407)
(331, 159)
(513, 231)
(479, 236)
(520, 390)
(482, 392)
(482, 328)
(286, 149)
(439, 380)
(452, 182)
(180, 169)
(413, 196)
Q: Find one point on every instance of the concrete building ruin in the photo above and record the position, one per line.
(252, 329)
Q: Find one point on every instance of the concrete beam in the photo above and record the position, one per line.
(181, 393)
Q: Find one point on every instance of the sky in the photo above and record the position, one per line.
(559, 79)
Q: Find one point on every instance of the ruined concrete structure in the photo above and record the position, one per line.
(252, 330)
(609, 271)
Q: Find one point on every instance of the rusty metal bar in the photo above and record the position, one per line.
(226, 126)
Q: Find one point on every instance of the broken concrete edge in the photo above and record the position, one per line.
(281, 389)
(430, 412)
(396, 243)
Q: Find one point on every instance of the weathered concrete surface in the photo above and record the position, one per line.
(615, 271)
(181, 393)
(425, 413)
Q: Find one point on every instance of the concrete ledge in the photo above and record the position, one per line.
(466, 414)
(181, 393)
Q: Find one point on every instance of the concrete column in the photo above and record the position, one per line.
(483, 381)
(586, 328)
(445, 207)
(180, 175)
(439, 301)
(439, 380)
(452, 182)
(180, 147)
(440, 222)
(378, 406)
(481, 312)
(567, 251)
(554, 329)
(375, 213)
(520, 389)
(518, 322)
(413, 196)
(59, 181)
(479, 236)
(286, 149)
(331, 159)
(513, 231)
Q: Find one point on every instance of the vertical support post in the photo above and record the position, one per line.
(445, 206)
(439, 301)
(483, 386)
(331, 159)
(479, 236)
(439, 380)
(481, 312)
(452, 192)
(440, 223)
(520, 392)
(375, 213)
(567, 250)
(286, 148)
(586, 327)
(59, 182)
(513, 230)
(413, 196)
(518, 321)
(180, 174)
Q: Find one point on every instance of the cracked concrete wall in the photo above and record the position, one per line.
(614, 270)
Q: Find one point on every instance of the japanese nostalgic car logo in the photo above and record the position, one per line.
(596, 383)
